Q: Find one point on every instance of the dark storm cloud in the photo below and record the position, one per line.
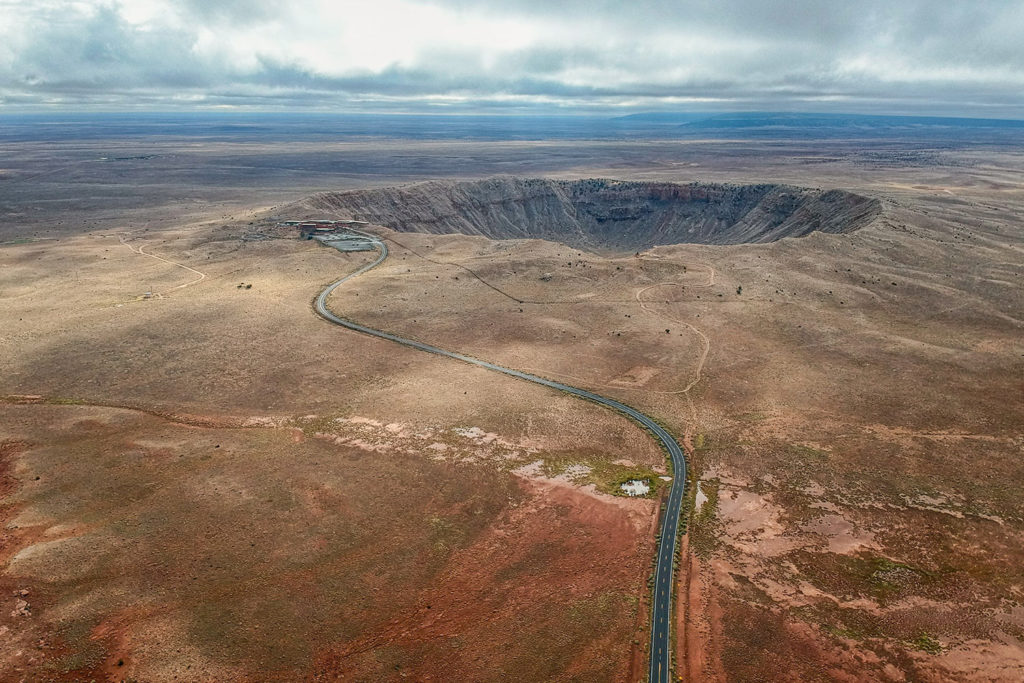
(724, 54)
(102, 53)
(925, 34)
(972, 26)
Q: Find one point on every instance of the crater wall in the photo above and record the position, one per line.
(603, 214)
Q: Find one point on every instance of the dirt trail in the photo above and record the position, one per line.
(499, 290)
(582, 380)
(705, 342)
(190, 420)
(140, 250)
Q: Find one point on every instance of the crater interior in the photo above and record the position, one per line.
(604, 214)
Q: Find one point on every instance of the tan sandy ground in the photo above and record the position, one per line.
(276, 514)
(856, 426)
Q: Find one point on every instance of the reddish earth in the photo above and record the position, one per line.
(561, 552)
(279, 593)
(855, 429)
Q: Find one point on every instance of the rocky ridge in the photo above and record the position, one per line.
(601, 213)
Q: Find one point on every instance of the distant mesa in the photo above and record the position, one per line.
(603, 214)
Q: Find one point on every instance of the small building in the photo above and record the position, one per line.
(321, 226)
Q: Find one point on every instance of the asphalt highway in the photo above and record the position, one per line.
(661, 613)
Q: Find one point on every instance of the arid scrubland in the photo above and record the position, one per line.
(202, 480)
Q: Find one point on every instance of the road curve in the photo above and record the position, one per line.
(661, 612)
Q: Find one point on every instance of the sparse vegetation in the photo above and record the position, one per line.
(926, 643)
(704, 526)
(841, 422)
(606, 476)
(809, 453)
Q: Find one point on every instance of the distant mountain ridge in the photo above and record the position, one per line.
(800, 120)
(811, 120)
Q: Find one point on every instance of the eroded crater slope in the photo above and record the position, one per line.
(599, 213)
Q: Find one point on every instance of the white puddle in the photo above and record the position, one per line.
(635, 487)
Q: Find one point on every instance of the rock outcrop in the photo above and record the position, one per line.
(603, 214)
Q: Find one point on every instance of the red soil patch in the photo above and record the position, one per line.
(24, 641)
(699, 624)
(561, 549)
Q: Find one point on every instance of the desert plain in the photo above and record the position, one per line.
(202, 480)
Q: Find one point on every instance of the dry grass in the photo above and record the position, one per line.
(863, 436)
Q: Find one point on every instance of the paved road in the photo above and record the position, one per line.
(661, 615)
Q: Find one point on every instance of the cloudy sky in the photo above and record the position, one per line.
(885, 56)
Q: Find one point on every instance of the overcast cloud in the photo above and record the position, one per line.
(891, 56)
